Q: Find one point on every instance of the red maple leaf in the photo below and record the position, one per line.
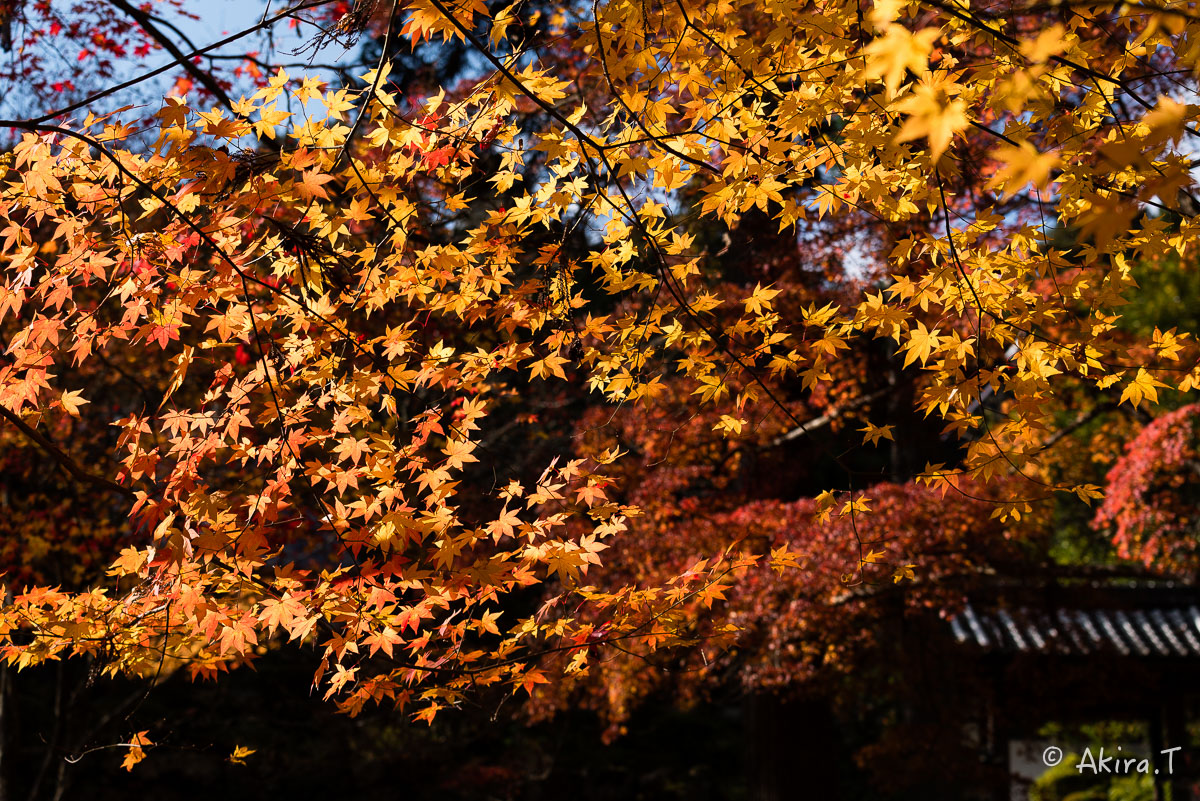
(439, 157)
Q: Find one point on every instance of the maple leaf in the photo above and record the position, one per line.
(71, 401)
(239, 754)
(1049, 42)
(1168, 119)
(874, 433)
(504, 525)
(281, 611)
(1023, 165)
(897, 51)
(551, 365)
(760, 299)
(530, 680)
(932, 114)
(439, 157)
(1143, 387)
(1168, 344)
(428, 713)
(130, 563)
(352, 448)
(730, 425)
(921, 344)
(591, 493)
(312, 185)
(384, 640)
(136, 753)
(459, 452)
(269, 118)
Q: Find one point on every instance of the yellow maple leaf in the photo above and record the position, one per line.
(760, 300)
(885, 12)
(238, 757)
(1048, 43)
(269, 117)
(896, 52)
(1023, 165)
(932, 114)
(1143, 387)
(922, 342)
(729, 424)
(1168, 119)
(874, 433)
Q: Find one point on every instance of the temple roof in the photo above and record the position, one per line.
(1167, 630)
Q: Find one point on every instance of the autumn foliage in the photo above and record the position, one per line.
(1151, 502)
(678, 344)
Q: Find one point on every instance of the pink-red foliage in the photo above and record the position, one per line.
(1153, 489)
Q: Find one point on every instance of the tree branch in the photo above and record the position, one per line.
(145, 76)
(204, 77)
(68, 464)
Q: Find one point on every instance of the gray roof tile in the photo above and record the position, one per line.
(1160, 631)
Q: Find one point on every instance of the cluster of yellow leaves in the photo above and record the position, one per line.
(355, 426)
